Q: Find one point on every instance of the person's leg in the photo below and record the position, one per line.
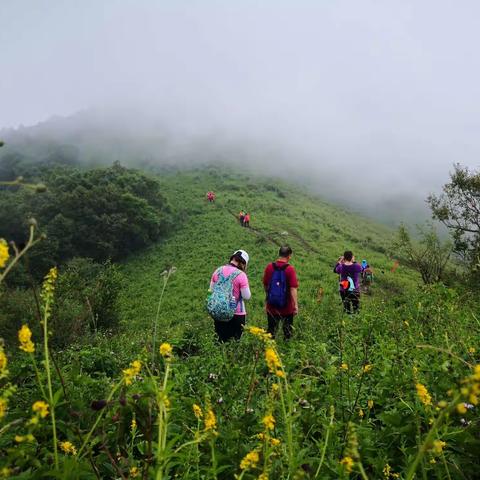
(287, 327)
(222, 330)
(355, 299)
(272, 324)
(238, 324)
(345, 301)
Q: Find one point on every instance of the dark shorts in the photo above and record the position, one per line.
(351, 301)
(232, 329)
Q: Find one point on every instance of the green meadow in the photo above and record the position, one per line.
(389, 393)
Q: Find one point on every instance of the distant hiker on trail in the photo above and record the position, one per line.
(246, 220)
(367, 275)
(228, 290)
(349, 272)
(281, 285)
(241, 217)
(211, 197)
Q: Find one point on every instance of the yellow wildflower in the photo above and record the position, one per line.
(423, 394)
(5, 472)
(347, 462)
(210, 420)
(260, 436)
(442, 404)
(24, 438)
(197, 411)
(263, 476)
(132, 371)
(33, 421)
(275, 388)
(366, 369)
(433, 461)
(344, 366)
(49, 283)
(361, 413)
(476, 373)
(387, 472)
(166, 350)
(3, 362)
(461, 408)
(269, 422)
(134, 473)
(273, 362)
(280, 373)
(25, 339)
(3, 252)
(471, 350)
(260, 333)
(3, 407)
(370, 404)
(41, 408)
(250, 460)
(274, 442)
(68, 448)
(473, 399)
(438, 446)
(133, 425)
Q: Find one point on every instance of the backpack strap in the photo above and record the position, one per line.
(283, 267)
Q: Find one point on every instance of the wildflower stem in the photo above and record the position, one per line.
(31, 242)
(214, 459)
(155, 325)
(327, 435)
(162, 423)
(99, 417)
(37, 373)
(428, 439)
(362, 471)
(288, 423)
(49, 376)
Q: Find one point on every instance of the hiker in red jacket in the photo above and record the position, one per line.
(281, 284)
(246, 220)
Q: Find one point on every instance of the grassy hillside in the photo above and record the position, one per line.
(317, 232)
(395, 318)
(388, 393)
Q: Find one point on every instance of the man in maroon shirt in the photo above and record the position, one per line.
(286, 313)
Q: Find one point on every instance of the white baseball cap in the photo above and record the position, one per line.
(243, 254)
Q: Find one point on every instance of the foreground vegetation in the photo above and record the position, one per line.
(389, 393)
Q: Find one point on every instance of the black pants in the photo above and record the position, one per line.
(232, 329)
(274, 321)
(246, 223)
(350, 299)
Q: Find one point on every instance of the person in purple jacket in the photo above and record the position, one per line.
(349, 271)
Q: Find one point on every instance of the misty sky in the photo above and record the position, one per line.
(387, 92)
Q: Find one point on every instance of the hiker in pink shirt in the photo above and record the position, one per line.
(241, 292)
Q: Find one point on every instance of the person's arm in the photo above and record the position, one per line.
(246, 294)
(244, 287)
(294, 295)
(266, 278)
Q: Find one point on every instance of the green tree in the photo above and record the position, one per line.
(429, 255)
(458, 207)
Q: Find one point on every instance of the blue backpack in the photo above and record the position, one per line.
(221, 303)
(277, 295)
